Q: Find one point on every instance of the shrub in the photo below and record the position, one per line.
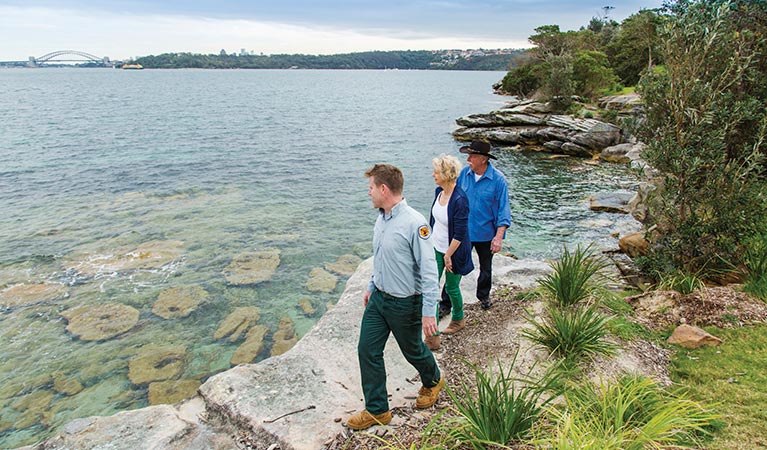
(575, 276)
(755, 263)
(571, 333)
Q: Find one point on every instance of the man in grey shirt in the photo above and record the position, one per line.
(401, 298)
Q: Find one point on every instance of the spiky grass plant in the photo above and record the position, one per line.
(571, 333)
(631, 413)
(682, 282)
(576, 276)
(503, 408)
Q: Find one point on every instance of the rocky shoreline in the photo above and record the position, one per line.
(297, 400)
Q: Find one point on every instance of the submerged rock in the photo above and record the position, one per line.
(252, 267)
(345, 265)
(172, 391)
(66, 384)
(249, 350)
(29, 294)
(237, 323)
(149, 255)
(285, 337)
(156, 364)
(305, 303)
(178, 302)
(100, 322)
(321, 280)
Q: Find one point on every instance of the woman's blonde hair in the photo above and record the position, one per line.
(447, 166)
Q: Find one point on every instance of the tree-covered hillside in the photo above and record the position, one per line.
(420, 59)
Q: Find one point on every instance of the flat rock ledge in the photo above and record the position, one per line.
(292, 400)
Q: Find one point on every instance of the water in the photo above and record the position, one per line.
(212, 164)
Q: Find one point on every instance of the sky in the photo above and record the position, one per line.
(124, 29)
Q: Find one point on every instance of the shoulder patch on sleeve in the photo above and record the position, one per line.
(424, 232)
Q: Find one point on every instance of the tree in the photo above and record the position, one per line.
(705, 132)
(591, 73)
(635, 47)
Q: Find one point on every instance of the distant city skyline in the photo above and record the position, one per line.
(123, 29)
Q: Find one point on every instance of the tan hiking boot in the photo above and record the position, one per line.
(455, 326)
(428, 396)
(364, 419)
(433, 342)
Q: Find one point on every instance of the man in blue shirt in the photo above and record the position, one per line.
(401, 298)
(489, 214)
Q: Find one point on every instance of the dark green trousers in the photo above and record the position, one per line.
(402, 317)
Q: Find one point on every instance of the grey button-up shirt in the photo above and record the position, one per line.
(403, 257)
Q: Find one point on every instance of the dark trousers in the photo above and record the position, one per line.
(402, 317)
(485, 279)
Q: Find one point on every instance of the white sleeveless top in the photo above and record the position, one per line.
(439, 235)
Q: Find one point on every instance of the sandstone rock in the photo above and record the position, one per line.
(67, 385)
(252, 267)
(634, 244)
(29, 294)
(692, 337)
(654, 302)
(321, 281)
(617, 153)
(620, 102)
(33, 408)
(178, 302)
(249, 350)
(345, 265)
(172, 391)
(569, 148)
(99, 322)
(156, 364)
(149, 255)
(237, 323)
(305, 303)
(613, 202)
(285, 337)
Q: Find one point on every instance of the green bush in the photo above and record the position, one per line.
(755, 263)
(571, 333)
(576, 276)
(632, 413)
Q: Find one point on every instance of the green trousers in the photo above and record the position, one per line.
(452, 287)
(385, 314)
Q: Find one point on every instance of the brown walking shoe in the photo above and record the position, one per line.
(433, 342)
(364, 419)
(455, 326)
(428, 396)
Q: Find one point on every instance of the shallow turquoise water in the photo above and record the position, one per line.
(96, 161)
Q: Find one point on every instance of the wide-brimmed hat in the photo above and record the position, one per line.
(478, 148)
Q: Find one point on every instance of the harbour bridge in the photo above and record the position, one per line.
(61, 57)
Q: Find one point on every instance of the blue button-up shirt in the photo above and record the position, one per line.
(403, 257)
(488, 202)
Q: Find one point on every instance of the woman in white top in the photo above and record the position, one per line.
(449, 220)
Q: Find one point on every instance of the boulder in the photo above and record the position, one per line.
(692, 337)
(617, 153)
(252, 267)
(613, 202)
(156, 364)
(30, 294)
(345, 265)
(178, 302)
(100, 322)
(148, 255)
(171, 391)
(321, 280)
(620, 102)
(251, 347)
(285, 337)
(634, 244)
(237, 323)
